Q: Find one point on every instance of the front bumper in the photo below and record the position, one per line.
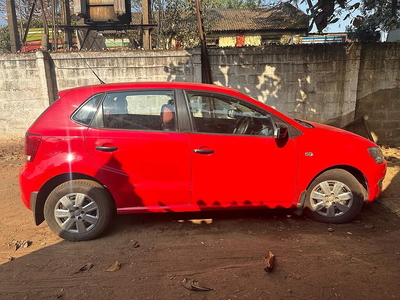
(375, 182)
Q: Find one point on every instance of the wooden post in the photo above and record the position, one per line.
(67, 21)
(12, 26)
(146, 5)
(45, 35)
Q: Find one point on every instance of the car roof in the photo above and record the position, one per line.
(86, 91)
(153, 85)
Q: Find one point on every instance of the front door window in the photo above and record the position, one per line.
(223, 115)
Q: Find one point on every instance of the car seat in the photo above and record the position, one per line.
(168, 116)
(121, 105)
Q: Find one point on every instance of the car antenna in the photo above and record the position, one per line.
(101, 81)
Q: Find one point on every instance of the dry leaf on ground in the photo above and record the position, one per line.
(194, 285)
(269, 261)
(115, 267)
(86, 267)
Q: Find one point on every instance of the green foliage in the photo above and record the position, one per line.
(324, 12)
(367, 31)
(376, 15)
(5, 45)
(178, 24)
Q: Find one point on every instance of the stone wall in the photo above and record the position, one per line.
(329, 83)
(29, 82)
(74, 69)
(378, 94)
(21, 95)
(315, 82)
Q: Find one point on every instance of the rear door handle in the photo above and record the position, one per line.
(203, 151)
(106, 149)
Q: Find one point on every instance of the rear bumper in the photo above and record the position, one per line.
(37, 210)
(28, 182)
(29, 187)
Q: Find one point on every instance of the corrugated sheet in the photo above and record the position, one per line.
(286, 16)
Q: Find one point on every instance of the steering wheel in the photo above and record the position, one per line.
(242, 125)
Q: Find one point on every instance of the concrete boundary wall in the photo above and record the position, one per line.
(331, 83)
(314, 82)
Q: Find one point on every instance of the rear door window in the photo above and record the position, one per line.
(139, 110)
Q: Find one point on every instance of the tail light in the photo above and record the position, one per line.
(32, 142)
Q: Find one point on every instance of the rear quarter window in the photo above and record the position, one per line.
(84, 114)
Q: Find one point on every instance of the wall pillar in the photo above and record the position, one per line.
(350, 85)
(47, 78)
(196, 61)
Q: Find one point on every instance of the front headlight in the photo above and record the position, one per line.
(376, 154)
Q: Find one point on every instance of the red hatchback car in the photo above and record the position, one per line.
(169, 147)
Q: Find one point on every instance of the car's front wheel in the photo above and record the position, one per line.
(78, 210)
(335, 196)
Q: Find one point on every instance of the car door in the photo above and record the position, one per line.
(134, 142)
(235, 158)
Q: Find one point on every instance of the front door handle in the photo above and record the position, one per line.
(106, 149)
(203, 151)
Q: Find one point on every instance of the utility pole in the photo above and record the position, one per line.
(45, 35)
(67, 21)
(146, 5)
(205, 61)
(54, 26)
(393, 21)
(12, 26)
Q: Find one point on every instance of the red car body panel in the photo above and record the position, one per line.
(239, 166)
(150, 169)
(337, 148)
(159, 171)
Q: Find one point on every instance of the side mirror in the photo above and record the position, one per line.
(234, 113)
(231, 113)
(281, 130)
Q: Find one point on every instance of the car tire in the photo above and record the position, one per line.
(79, 210)
(335, 196)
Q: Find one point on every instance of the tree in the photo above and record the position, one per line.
(324, 12)
(376, 16)
(23, 9)
(176, 19)
(5, 45)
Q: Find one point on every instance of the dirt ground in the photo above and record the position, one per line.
(223, 251)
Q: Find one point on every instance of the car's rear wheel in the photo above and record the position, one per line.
(78, 210)
(335, 196)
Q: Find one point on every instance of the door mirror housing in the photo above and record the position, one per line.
(281, 130)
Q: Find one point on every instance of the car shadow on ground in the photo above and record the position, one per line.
(261, 219)
(223, 249)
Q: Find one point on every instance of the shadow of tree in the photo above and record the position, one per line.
(283, 85)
